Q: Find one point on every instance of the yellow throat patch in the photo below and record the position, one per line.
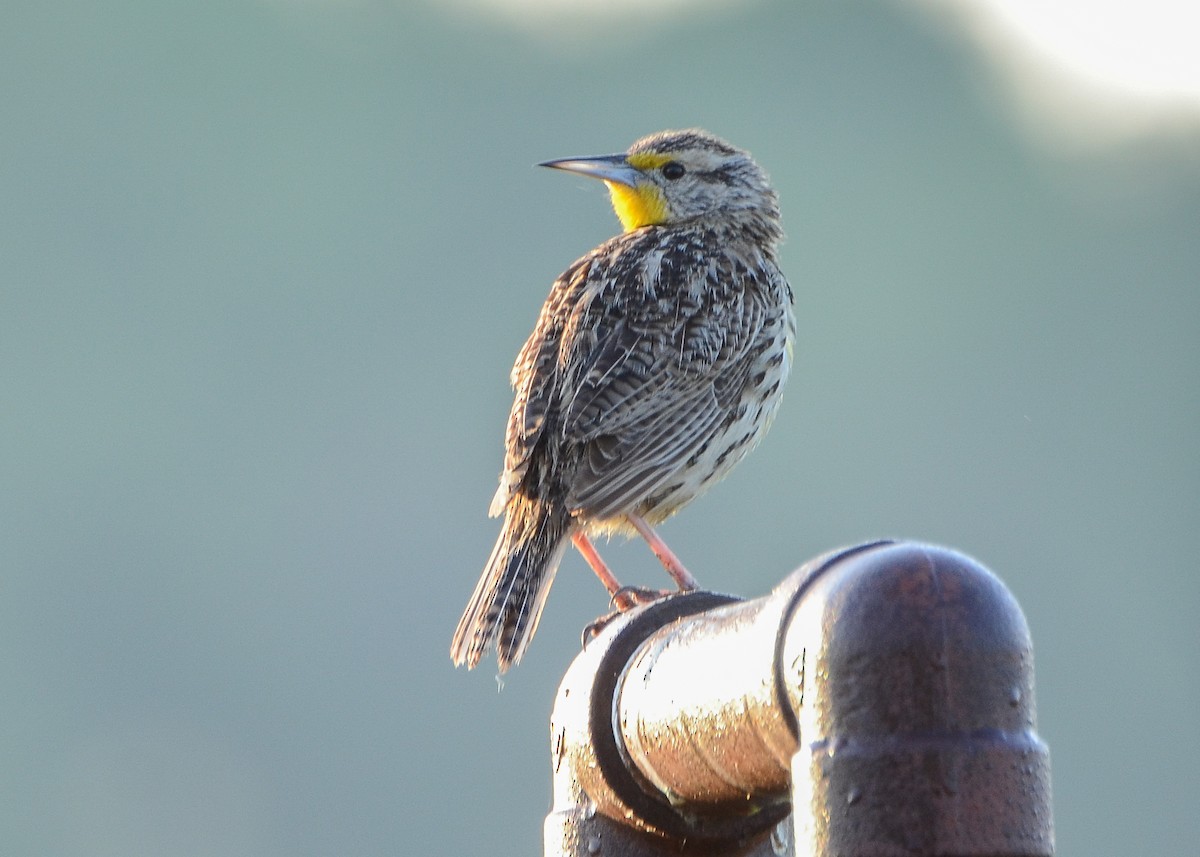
(645, 204)
(637, 206)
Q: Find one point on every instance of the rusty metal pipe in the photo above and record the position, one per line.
(884, 691)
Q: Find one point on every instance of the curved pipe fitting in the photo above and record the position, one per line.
(885, 691)
(910, 670)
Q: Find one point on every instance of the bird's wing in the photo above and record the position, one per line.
(653, 378)
(536, 377)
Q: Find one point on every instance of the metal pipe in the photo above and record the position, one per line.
(885, 691)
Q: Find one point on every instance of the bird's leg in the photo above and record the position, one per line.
(592, 557)
(682, 577)
(623, 597)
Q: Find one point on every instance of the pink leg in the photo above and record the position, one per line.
(585, 546)
(682, 577)
(624, 597)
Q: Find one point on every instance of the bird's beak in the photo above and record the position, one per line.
(609, 168)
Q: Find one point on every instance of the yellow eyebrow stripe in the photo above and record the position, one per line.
(647, 160)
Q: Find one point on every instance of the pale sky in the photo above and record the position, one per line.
(1078, 75)
(1088, 74)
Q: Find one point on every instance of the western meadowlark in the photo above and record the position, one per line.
(657, 363)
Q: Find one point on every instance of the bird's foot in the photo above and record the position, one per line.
(624, 599)
(628, 597)
(593, 629)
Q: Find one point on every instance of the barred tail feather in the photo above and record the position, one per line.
(507, 603)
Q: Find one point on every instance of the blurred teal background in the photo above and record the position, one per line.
(264, 267)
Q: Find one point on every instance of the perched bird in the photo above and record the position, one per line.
(657, 363)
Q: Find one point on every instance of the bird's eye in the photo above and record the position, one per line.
(673, 170)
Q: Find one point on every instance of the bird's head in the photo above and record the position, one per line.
(679, 176)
